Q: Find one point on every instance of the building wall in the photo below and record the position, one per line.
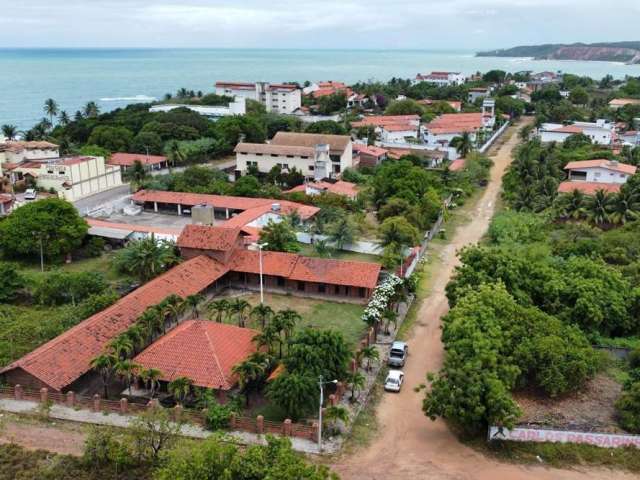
(398, 136)
(602, 175)
(266, 162)
(274, 100)
(18, 376)
(558, 137)
(438, 139)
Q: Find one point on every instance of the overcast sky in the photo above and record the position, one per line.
(419, 24)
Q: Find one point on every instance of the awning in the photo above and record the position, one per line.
(113, 233)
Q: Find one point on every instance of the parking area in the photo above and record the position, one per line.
(149, 219)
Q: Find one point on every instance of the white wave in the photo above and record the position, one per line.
(137, 98)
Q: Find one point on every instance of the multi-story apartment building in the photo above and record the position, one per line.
(276, 97)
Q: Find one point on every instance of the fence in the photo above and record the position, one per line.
(494, 137)
(95, 403)
(538, 435)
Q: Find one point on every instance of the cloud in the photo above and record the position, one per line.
(313, 23)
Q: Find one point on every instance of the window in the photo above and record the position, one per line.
(336, 289)
(322, 288)
(596, 174)
(311, 168)
(275, 155)
(50, 171)
(280, 281)
(285, 166)
(361, 292)
(347, 290)
(336, 169)
(289, 156)
(301, 286)
(258, 154)
(61, 172)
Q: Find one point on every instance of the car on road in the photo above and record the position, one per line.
(398, 354)
(30, 194)
(394, 381)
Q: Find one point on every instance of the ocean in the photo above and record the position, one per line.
(116, 77)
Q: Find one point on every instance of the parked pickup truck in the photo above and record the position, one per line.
(398, 354)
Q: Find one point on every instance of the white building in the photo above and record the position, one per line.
(601, 132)
(479, 92)
(442, 79)
(237, 107)
(16, 152)
(631, 137)
(601, 171)
(276, 97)
(315, 155)
(73, 178)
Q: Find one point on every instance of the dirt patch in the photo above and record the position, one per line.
(591, 409)
(57, 438)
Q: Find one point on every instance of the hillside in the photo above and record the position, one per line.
(626, 52)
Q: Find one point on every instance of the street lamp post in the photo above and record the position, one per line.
(260, 247)
(39, 235)
(322, 383)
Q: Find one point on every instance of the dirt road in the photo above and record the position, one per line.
(409, 445)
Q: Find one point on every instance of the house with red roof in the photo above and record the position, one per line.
(601, 131)
(391, 128)
(589, 176)
(369, 155)
(127, 160)
(346, 189)
(203, 351)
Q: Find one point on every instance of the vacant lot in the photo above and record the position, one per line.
(308, 251)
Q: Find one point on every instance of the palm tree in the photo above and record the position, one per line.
(357, 381)
(463, 144)
(571, 205)
(105, 365)
(91, 110)
(248, 373)
(334, 414)
(322, 248)
(262, 313)
(173, 309)
(218, 309)
(267, 338)
(63, 118)
(193, 302)
(122, 346)
(151, 378)
(370, 354)
(390, 317)
(239, 307)
(284, 322)
(9, 131)
(175, 156)
(342, 232)
(137, 174)
(180, 388)
(51, 108)
(126, 370)
(598, 207)
(146, 258)
(149, 320)
(625, 207)
(137, 334)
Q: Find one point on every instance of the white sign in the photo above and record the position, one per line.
(604, 440)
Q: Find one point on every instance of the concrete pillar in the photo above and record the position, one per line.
(227, 213)
(96, 403)
(18, 392)
(177, 411)
(179, 209)
(286, 427)
(260, 424)
(124, 405)
(353, 365)
(44, 395)
(155, 207)
(314, 431)
(71, 399)
(332, 400)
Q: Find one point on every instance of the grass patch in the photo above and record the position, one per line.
(563, 455)
(319, 314)
(308, 251)
(102, 264)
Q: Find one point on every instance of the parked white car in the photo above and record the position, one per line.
(394, 381)
(30, 194)
(398, 354)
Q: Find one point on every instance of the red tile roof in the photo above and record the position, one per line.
(128, 159)
(572, 129)
(588, 188)
(602, 163)
(63, 360)
(457, 165)
(336, 272)
(347, 189)
(209, 238)
(384, 120)
(369, 150)
(286, 208)
(202, 351)
(455, 123)
(279, 264)
(192, 199)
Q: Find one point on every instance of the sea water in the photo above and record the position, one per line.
(116, 77)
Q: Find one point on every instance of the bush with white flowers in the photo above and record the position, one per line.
(380, 299)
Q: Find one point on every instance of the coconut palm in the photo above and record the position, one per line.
(283, 323)
(91, 110)
(625, 206)
(322, 249)
(51, 108)
(239, 307)
(463, 144)
(173, 308)
(334, 414)
(342, 232)
(137, 334)
(9, 131)
(248, 373)
(218, 309)
(149, 320)
(151, 379)
(63, 118)
(146, 258)
(193, 302)
(571, 205)
(180, 388)
(598, 208)
(356, 381)
(370, 354)
(126, 370)
(267, 338)
(105, 365)
(262, 313)
(175, 156)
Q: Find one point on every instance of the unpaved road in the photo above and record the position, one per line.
(408, 444)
